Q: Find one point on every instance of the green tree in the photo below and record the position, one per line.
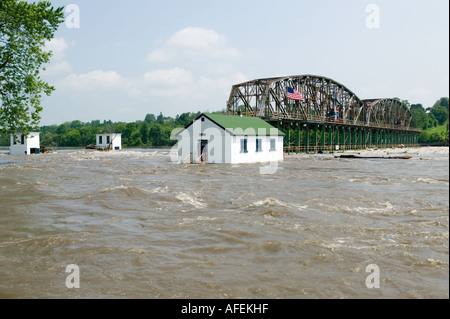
(87, 134)
(150, 118)
(130, 133)
(135, 139)
(50, 139)
(144, 130)
(61, 129)
(24, 28)
(71, 138)
(76, 124)
(443, 101)
(185, 118)
(4, 140)
(419, 117)
(165, 136)
(156, 135)
(440, 113)
(160, 118)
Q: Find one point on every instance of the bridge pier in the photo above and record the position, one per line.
(306, 138)
(315, 139)
(336, 140)
(330, 138)
(313, 136)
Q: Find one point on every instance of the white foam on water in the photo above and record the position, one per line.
(191, 200)
(432, 181)
(269, 201)
(120, 187)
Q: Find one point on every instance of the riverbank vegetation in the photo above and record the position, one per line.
(432, 121)
(152, 131)
(155, 131)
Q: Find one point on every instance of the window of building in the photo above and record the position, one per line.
(244, 145)
(100, 140)
(258, 145)
(273, 147)
(22, 139)
(108, 139)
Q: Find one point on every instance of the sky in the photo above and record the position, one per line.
(120, 60)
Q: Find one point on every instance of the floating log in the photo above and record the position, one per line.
(373, 157)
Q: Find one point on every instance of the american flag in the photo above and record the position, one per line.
(294, 94)
(336, 99)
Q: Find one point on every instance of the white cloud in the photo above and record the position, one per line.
(202, 76)
(58, 65)
(203, 70)
(195, 43)
(94, 80)
(171, 77)
(182, 84)
(197, 39)
(161, 55)
(58, 46)
(175, 82)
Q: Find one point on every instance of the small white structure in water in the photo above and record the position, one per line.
(112, 141)
(21, 144)
(229, 139)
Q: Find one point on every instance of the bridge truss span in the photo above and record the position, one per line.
(267, 98)
(320, 101)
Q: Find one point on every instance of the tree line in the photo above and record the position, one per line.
(155, 131)
(433, 121)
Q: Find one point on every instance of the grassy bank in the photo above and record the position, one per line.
(435, 135)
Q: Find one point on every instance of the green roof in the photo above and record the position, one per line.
(243, 125)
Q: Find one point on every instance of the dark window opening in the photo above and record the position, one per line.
(258, 145)
(272, 145)
(244, 146)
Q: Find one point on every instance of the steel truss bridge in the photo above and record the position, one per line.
(330, 116)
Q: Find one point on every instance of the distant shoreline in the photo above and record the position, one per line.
(420, 151)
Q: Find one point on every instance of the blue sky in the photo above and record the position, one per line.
(130, 58)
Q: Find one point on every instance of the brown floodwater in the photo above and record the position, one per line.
(140, 226)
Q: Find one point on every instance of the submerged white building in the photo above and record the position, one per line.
(112, 141)
(24, 144)
(229, 139)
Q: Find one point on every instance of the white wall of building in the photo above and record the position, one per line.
(103, 140)
(24, 145)
(252, 155)
(190, 141)
(223, 147)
